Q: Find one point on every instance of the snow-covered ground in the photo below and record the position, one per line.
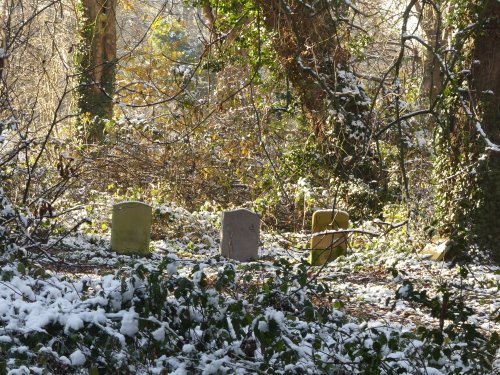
(87, 305)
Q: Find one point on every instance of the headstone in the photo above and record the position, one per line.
(437, 249)
(240, 235)
(327, 247)
(131, 228)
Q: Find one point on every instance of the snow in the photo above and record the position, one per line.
(262, 326)
(159, 334)
(73, 322)
(77, 358)
(188, 348)
(404, 290)
(180, 371)
(216, 367)
(23, 370)
(430, 371)
(65, 360)
(130, 323)
(107, 303)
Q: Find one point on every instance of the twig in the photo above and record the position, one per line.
(343, 231)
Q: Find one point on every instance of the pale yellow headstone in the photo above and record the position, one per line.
(131, 228)
(327, 247)
(437, 249)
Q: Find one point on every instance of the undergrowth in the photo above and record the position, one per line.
(220, 320)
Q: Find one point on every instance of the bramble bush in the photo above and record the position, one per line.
(216, 319)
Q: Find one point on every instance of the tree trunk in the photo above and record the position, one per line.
(4, 26)
(432, 80)
(307, 39)
(470, 195)
(486, 97)
(96, 65)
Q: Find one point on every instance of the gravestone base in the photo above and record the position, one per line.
(318, 257)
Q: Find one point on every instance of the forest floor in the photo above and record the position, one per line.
(362, 282)
(363, 285)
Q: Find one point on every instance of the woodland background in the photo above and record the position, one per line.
(388, 109)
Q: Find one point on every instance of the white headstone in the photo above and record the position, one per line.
(240, 235)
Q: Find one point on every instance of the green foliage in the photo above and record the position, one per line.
(449, 307)
(358, 43)
(287, 321)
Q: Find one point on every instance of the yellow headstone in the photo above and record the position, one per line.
(327, 247)
(131, 228)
